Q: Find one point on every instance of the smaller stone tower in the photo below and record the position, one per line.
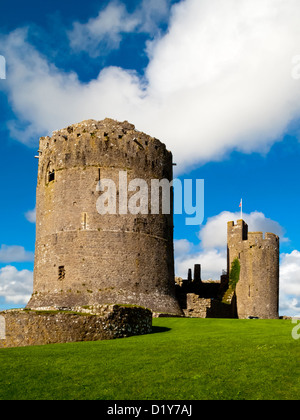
(257, 291)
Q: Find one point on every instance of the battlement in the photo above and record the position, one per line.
(255, 237)
(272, 237)
(239, 223)
(258, 238)
(238, 231)
(107, 144)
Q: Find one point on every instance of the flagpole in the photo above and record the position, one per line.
(241, 209)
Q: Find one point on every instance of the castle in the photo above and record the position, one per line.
(256, 292)
(84, 258)
(100, 276)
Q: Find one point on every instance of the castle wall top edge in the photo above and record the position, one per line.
(267, 234)
(270, 235)
(91, 123)
(101, 130)
(240, 222)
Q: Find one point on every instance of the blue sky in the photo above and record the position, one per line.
(213, 79)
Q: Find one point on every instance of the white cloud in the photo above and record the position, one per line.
(182, 247)
(151, 13)
(31, 216)
(214, 233)
(224, 72)
(219, 79)
(290, 283)
(105, 32)
(212, 261)
(16, 286)
(39, 92)
(14, 253)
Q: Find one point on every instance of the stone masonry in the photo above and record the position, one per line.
(257, 291)
(256, 294)
(28, 327)
(82, 257)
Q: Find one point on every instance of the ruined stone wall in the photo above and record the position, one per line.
(257, 291)
(198, 307)
(30, 328)
(82, 257)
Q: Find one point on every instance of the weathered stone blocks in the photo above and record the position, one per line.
(83, 257)
(39, 327)
(257, 291)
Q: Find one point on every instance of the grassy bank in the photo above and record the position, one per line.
(182, 359)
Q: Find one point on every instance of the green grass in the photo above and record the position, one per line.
(182, 359)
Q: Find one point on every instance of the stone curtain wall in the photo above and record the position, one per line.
(30, 327)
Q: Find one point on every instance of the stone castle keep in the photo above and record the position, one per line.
(82, 257)
(102, 276)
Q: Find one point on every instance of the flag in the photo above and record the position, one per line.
(241, 203)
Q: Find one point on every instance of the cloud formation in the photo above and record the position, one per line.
(290, 283)
(103, 32)
(16, 286)
(213, 262)
(14, 253)
(218, 80)
(106, 31)
(31, 216)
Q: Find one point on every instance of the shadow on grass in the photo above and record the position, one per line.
(156, 330)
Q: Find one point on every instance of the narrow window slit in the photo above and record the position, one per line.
(61, 273)
(51, 176)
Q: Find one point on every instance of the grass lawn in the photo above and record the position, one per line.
(190, 359)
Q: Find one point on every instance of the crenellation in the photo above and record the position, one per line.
(271, 237)
(255, 238)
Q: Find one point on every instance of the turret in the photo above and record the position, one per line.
(257, 291)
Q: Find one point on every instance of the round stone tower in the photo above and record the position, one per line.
(257, 291)
(87, 258)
